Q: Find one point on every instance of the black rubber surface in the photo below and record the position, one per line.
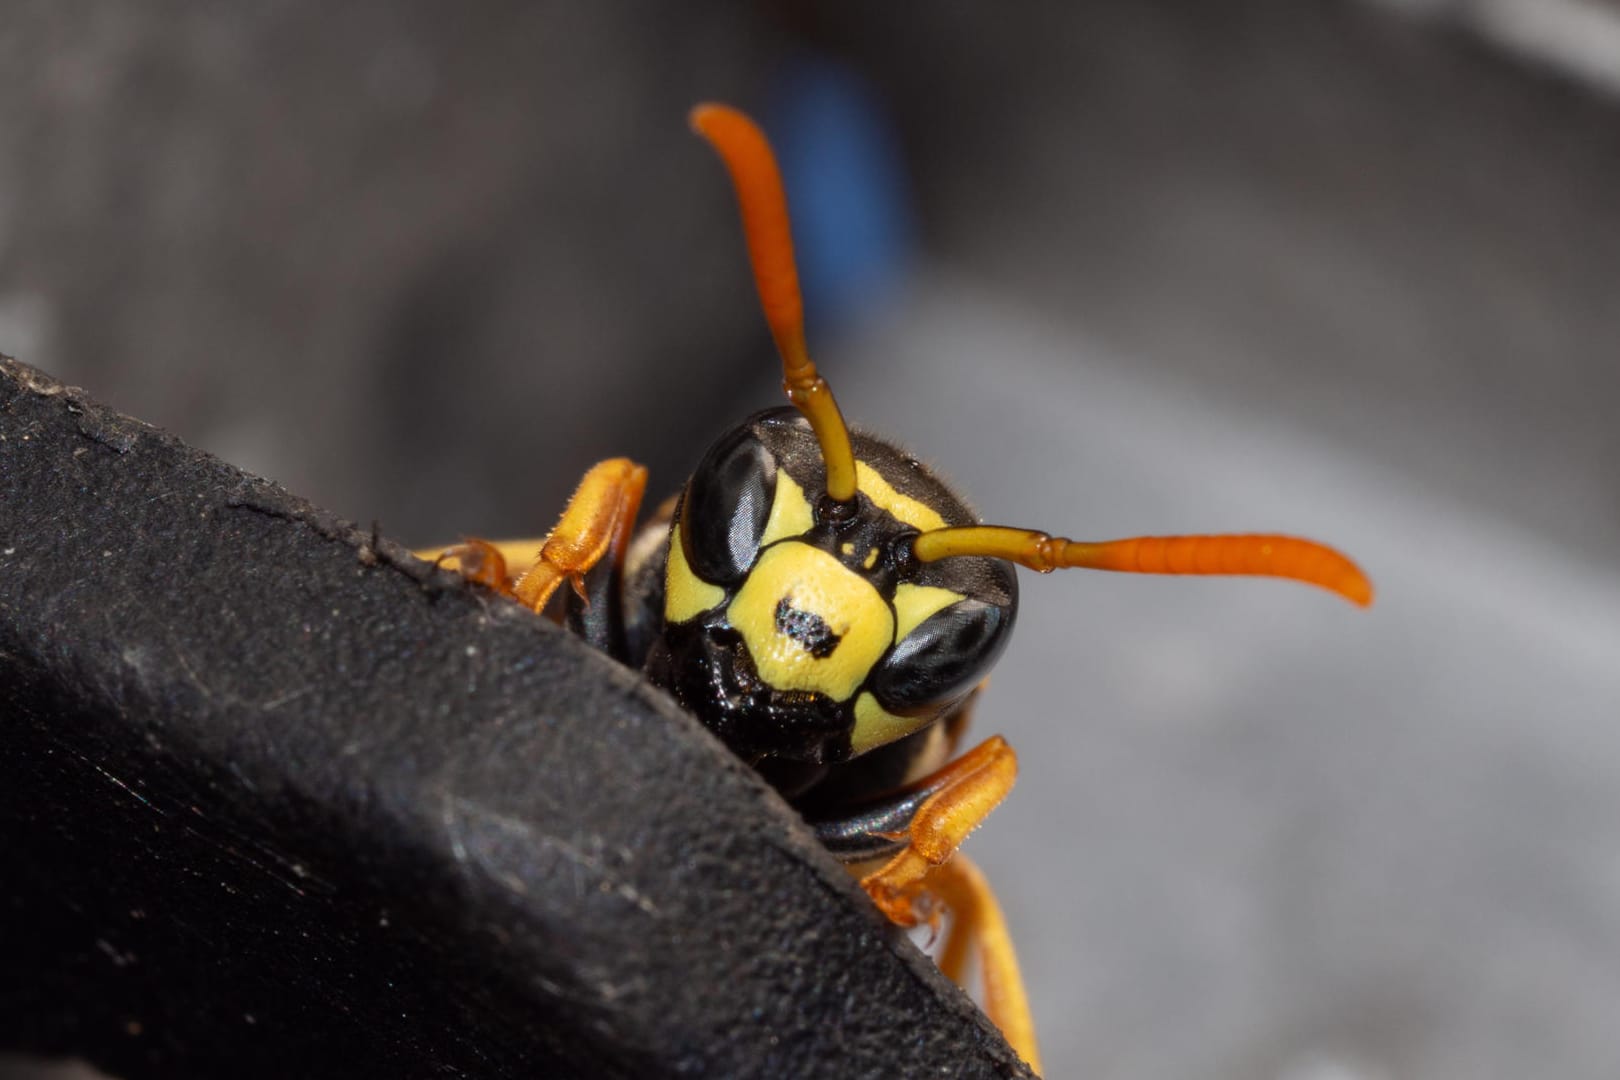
(279, 800)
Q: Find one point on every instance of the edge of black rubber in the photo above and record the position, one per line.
(280, 799)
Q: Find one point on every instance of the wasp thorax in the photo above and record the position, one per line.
(801, 633)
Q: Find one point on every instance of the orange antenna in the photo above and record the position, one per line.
(748, 158)
(1263, 555)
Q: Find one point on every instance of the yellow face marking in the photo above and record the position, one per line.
(685, 594)
(871, 558)
(790, 511)
(847, 548)
(914, 603)
(804, 584)
(875, 725)
(903, 507)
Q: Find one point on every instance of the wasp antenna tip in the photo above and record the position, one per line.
(702, 116)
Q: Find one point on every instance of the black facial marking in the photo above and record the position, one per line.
(903, 554)
(705, 664)
(836, 512)
(807, 628)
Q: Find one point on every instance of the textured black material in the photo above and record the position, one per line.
(279, 800)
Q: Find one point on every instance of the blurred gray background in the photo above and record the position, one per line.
(1340, 269)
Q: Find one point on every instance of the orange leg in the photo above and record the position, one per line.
(912, 886)
(976, 920)
(599, 519)
(965, 791)
(478, 561)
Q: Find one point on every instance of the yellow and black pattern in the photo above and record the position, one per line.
(807, 625)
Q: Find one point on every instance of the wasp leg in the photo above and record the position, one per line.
(918, 828)
(479, 561)
(976, 920)
(961, 795)
(598, 519)
(596, 609)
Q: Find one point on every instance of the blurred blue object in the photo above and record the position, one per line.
(847, 190)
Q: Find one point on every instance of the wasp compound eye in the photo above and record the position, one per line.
(728, 502)
(944, 658)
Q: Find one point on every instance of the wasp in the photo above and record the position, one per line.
(829, 608)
